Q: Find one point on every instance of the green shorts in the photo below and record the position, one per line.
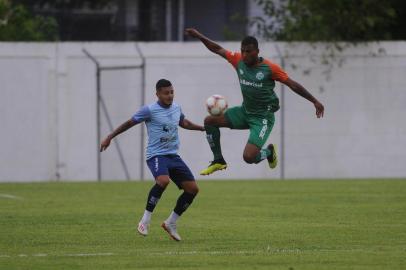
(260, 126)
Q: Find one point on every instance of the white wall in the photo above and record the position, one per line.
(48, 110)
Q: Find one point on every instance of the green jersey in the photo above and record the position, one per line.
(257, 83)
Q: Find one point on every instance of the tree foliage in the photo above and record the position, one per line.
(338, 24)
(65, 4)
(18, 24)
(332, 20)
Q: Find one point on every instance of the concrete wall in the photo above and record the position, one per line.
(49, 127)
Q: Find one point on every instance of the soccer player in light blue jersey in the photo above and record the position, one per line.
(162, 119)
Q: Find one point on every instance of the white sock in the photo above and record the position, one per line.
(173, 217)
(146, 218)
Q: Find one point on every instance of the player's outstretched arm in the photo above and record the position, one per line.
(211, 45)
(300, 90)
(186, 124)
(123, 127)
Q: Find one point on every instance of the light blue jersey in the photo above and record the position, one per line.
(162, 126)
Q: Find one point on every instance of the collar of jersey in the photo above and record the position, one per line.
(163, 106)
(260, 60)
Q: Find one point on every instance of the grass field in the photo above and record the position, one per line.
(311, 224)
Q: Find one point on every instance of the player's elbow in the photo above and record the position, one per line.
(215, 48)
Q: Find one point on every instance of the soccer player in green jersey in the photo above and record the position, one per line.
(257, 78)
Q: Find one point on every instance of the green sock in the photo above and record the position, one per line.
(263, 154)
(213, 137)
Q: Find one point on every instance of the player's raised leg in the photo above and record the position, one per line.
(212, 125)
(253, 154)
(260, 129)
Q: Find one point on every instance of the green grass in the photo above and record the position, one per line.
(312, 224)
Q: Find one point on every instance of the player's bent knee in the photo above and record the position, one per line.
(163, 181)
(192, 189)
(217, 121)
(195, 190)
(208, 121)
(248, 158)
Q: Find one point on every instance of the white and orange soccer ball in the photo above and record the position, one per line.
(216, 105)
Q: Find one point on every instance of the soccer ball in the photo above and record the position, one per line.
(216, 105)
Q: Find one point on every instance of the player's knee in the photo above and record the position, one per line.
(248, 158)
(192, 189)
(162, 181)
(208, 121)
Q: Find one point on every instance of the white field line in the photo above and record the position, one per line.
(225, 252)
(89, 254)
(8, 196)
(40, 255)
(165, 253)
(63, 255)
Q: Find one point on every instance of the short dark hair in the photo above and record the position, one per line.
(162, 83)
(249, 40)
